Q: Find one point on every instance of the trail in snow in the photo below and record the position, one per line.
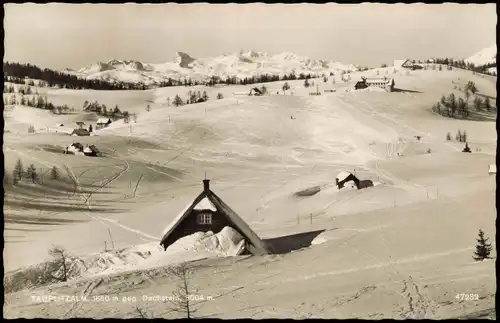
(87, 203)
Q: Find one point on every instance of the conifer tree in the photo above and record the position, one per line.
(205, 96)
(54, 173)
(478, 104)
(18, 170)
(452, 103)
(483, 248)
(286, 87)
(177, 101)
(487, 104)
(31, 172)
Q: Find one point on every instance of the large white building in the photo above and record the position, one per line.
(385, 83)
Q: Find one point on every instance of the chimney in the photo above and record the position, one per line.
(206, 185)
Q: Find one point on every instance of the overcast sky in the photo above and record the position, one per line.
(74, 35)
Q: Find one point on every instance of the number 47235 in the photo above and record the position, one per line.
(467, 297)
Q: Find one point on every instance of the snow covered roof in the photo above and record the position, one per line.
(378, 80)
(205, 204)
(73, 148)
(343, 175)
(103, 120)
(81, 132)
(90, 149)
(208, 200)
(400, 62)
(492, 169)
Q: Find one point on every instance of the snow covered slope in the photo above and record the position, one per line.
(242, 64)
(485, 56)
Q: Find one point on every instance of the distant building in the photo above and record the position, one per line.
(75, 148)
(91, 151)
(255, 92)
(103, 123)
(209, 213)
(383, 82)
(80, 132)
(404, 63)
(346, 179)
(80, 124)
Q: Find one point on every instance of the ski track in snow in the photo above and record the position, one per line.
(97, 218)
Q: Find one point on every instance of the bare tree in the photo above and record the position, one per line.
(141, 313)
(60, 256)
(182, 301)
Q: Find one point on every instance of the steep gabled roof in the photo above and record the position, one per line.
(81, 132)
(400, 62)
(343, 175)
(209, 200)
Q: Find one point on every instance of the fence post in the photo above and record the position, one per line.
(112, 242)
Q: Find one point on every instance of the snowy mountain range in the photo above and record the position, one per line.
(242, 64)
(485, 56)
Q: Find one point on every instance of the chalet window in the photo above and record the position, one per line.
(205, 218)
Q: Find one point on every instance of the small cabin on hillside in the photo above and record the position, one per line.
(403, 63)
(209, 213)
(75, 148)
(255, 92)
(103, 123)
(80, 124)
(346, 179)
(80, 132)
(91, 151)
